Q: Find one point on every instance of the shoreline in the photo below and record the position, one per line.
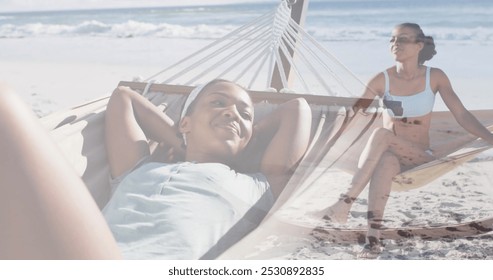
(65, 72)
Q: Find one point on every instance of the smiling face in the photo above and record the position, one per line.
(220, 124)
(404, 44)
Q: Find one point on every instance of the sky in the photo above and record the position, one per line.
(39, 5)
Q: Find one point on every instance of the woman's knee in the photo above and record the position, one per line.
(390, 162)
(381, 134)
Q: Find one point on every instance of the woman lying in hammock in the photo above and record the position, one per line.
(403, 142)
(180, 210)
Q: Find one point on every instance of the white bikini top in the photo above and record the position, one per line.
(415, 105)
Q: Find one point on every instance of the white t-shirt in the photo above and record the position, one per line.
(185, 210)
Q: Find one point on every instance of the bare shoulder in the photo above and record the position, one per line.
(437, 71)
(438, 74)
(438, 78)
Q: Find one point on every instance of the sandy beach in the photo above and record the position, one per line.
(463, 195)
(54, 74)
(59, 73)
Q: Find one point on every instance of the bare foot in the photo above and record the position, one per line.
(372, 249)
(337, 213)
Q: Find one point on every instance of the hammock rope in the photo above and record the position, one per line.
(263, 18)
(208, 57)
(257, 45)
(250, 55)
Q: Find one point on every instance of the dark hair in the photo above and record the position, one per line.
(428, 50)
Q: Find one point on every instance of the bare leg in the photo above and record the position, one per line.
(381, 141)
(46, 211)
(378, 195)
(377, 145)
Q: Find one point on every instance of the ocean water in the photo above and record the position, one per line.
(462, 21)
(148, 40)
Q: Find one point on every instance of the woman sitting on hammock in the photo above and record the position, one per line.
(178, 210)
(403, 142)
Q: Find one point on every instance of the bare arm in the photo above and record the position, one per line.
(130, 121)
(461, 114)
(375, 87)
(291, 122)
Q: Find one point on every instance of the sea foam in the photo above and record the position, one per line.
(128, 29)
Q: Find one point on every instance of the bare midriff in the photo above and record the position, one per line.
(414, 129)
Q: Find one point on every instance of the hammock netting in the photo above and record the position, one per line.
(271, 45)
(450, 191)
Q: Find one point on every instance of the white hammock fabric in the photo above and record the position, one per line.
(250, 55)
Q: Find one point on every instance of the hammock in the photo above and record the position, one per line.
(79, 131)
(272, 45)
(80, 134)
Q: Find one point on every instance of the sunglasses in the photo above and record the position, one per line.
(403, 40)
